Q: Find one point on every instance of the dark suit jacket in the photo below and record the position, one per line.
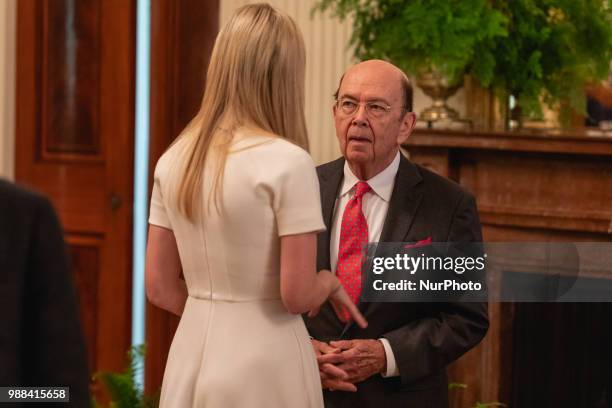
(424, 337)
(41, 343)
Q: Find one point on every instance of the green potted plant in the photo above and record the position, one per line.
(124, 390)
(554, 48)
(436, 41)
(535, 50)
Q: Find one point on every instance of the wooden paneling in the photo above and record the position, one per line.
(70, 77)
(568, 193)
(530, 187)
(75, 126)
(528, 141)
(182, 37)
(85, 261)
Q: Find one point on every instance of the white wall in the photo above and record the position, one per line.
(327, 58)
(8, 37)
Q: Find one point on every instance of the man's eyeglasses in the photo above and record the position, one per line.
(373, 109)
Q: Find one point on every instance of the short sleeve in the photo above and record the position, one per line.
(158, 214)
(297, 202)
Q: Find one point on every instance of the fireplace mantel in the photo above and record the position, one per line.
(529, 186)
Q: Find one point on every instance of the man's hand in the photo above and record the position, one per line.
(332, 377)
(360, 359)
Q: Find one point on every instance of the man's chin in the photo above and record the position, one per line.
(358, 156)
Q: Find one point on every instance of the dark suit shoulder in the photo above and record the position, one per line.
(20, 208)
(20, 198)
(331, 167)
(441, 186)
(449, 206)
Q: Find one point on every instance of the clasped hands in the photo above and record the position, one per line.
(344, 363)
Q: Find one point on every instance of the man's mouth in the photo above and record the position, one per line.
(359, 139)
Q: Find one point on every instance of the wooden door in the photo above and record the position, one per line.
(75, 125)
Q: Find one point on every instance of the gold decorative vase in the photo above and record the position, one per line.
(439, 89)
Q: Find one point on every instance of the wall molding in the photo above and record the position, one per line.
(8, 39)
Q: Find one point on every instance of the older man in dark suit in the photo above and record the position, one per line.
(41, 343)
(374, 194)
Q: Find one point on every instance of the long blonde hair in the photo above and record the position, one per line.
(255, 79)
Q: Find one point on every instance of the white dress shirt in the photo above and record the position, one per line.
(375, 204)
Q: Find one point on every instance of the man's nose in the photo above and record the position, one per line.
(360, 116)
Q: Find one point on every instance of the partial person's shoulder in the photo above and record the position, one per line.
(171, 156)
(176, 149)
(277, 160)
(279, 145)
(20, 195)
(281, 152)
(330, 167)
(441, 187)
(15, 199)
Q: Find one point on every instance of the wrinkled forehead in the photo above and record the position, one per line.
(369, 85)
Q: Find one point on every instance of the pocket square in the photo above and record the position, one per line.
(421, 243)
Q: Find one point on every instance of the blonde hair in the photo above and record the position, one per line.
(255, 79)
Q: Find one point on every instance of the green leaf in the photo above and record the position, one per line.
(534, 49)
(454, 385)
(123, 388)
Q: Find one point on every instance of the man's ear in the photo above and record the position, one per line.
(406, 128)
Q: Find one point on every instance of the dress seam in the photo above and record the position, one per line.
(211, 315)
(202, 355)
(304, 376)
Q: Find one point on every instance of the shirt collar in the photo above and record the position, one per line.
(381, 184)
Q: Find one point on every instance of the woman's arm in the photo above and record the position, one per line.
(302, 288)
(165, 288)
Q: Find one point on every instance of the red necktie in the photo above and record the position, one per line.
(353, 242)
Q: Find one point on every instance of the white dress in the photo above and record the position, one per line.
(236, 344)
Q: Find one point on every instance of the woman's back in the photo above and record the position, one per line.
(269, 189)
(236, 344)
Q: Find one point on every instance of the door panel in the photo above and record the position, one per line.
(70, 85)
(75, 104)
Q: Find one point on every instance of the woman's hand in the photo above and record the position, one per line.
(340, 301)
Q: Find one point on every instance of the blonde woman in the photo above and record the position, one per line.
(236, 209)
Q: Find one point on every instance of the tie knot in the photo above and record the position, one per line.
(361, 188)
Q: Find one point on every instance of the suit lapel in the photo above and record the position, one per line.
(404, 203)
(330, 179)
(403, 206)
